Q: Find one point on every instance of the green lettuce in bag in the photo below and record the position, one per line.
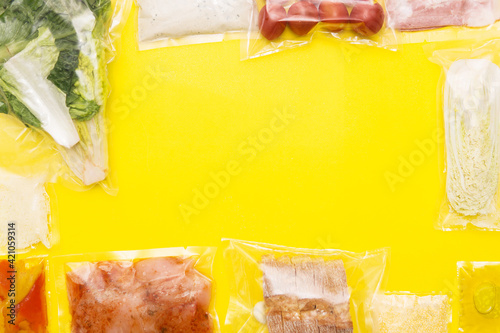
(53, 57)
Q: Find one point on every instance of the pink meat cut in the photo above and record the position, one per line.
(150, 296)
(408, 15)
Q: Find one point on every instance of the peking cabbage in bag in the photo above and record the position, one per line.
(53, 57)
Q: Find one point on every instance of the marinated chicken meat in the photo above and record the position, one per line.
(305, 295)
(152, 295)
(408, 15)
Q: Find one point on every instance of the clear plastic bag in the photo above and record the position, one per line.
(479, 285)
(410, 313)
(53, 79)
(163, 290)
(469, 112)
(284, 24)
(180, 22)
(417, 21)
(276, 288)
(27, 217)
(23, 297)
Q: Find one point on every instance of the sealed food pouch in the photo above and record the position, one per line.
(179, 22)
(417, 21)
(470, 115)
(410, 313)
(53, 79)
(23, 297)
(26, 217)
(479, 286)
(280, 289)
(284, 24)
(163, 290)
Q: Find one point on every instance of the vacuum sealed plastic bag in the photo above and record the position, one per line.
(166, 290)
(22, 295)
(180, 22)
(25, 213)
(53, 57)
(283, 24)
(443, 20)
(408, 313)
(280, 289)
(479, 284)
(471, 119)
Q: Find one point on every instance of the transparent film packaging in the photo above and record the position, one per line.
(418, 21)
(53, 81)
(469, 121)
(160, 290)
(397, 312)
(479, 286)
(282, 289)
(28, 215)
(180, 22)
(284, 24)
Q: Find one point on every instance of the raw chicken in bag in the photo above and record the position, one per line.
(164, 290)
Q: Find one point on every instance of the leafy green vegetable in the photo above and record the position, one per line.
(4, 108)
(81, 109)
(100, 8)
(19, 109)
(4, 4)
(63, 74)
(53, 74)
(25, 77)
(82, 106)
(16, 27)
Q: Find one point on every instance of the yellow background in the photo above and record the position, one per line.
(319, 183)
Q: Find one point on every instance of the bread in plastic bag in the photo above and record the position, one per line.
(24, 286)
(470, 116)
(26, 217)
(284, 24)
(281, 289)
(53, 77)
(410, 313)
(479, 285)
(417, 21)
(180, 22)
(164, 290)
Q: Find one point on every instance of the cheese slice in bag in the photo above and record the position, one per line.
(471, 118)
